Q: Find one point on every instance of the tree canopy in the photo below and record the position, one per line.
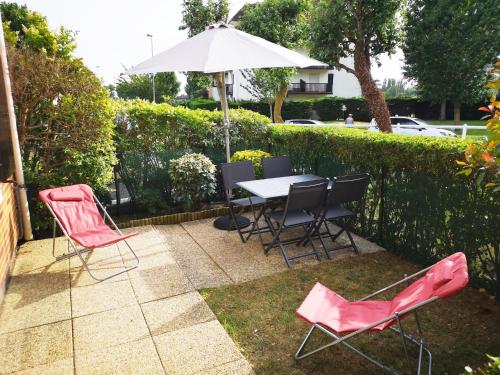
(360, 28)
(24, 28)
(140, 86)
(448, 46)
(279, 21)
(282, 22)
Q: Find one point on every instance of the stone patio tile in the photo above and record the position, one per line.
(109, 328)
(158, 282)
(101, 297)
(196, 348)
(61, 367)
(103, 262)
(34, 299)
(197, 265)
(241, 367)
(137, 357)
(177, 312)
(36, 257)
(148, 242)
(36, 346)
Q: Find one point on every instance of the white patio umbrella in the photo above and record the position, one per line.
(222, 48)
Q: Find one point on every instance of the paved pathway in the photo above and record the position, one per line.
(55, 319)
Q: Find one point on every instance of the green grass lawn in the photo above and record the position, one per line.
(260, 317)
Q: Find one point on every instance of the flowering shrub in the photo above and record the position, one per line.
(481, 160)
(193, 179)
(255, 156)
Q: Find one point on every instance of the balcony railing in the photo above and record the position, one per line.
(309, 87)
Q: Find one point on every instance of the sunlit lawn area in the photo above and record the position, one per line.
(260, 317)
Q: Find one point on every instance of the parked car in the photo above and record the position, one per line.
(304, 122)
(413, 126)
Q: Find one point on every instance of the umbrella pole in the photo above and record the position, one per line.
(227, 124)
(227, 222)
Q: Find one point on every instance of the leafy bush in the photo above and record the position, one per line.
(330, 108)
(193, 179)
(492, 367)
(200, 103)
(255, 156)
(416, 206)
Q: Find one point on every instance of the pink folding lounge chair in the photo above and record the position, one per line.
(335, 316)
(75, 210)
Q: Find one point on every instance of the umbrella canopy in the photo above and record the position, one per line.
(221, 48)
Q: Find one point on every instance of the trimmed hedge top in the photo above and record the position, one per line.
(369, 150)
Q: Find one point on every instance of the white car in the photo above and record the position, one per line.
(413, 126)
(304, 122)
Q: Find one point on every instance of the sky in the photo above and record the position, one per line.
(112, 34)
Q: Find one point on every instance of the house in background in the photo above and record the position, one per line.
(308, 83)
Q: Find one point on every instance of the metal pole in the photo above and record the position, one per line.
(153, 77)
(23, 199)
(227, 124)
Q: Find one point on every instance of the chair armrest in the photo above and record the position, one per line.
(403, 280)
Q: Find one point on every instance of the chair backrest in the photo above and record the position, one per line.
(74, 207)
(443, 279)
(277, 166)
(236, 172)
(307, 195)
(346, 189)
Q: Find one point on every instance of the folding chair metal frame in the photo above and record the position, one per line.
(80, 251)
(397, 316)
(229, 184)
(276, 231)
(342, 221)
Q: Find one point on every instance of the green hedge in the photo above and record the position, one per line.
(150, 135)
(329, 108)
(416, 206)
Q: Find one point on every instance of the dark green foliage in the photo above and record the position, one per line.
(329, 108)
(141, 87)
(150, 135)
(197, 85)
(30, 30)
(297, 109)
(415, 205)
(448, 44)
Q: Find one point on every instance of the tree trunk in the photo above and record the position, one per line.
(456, 113)
(442, 113)
(271, 111)
(280, 98)
(375, 99)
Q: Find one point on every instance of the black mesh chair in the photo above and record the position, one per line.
(343, 201)
(233, 173)
(277, 166)
(302, 209)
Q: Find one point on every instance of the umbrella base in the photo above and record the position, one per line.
(225, 222)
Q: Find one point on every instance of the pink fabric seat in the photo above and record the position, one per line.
(77, 212)
(325, 307)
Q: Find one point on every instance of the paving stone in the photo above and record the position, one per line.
(61, 367)
(196, 264)
(196, 348)
(101, 297)
(159, 282)
(177, 312)
(103, 262)
(137, 357)
(241, 367)
(36, 257)
(23, 349)
(34, 299)
(109, 328)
